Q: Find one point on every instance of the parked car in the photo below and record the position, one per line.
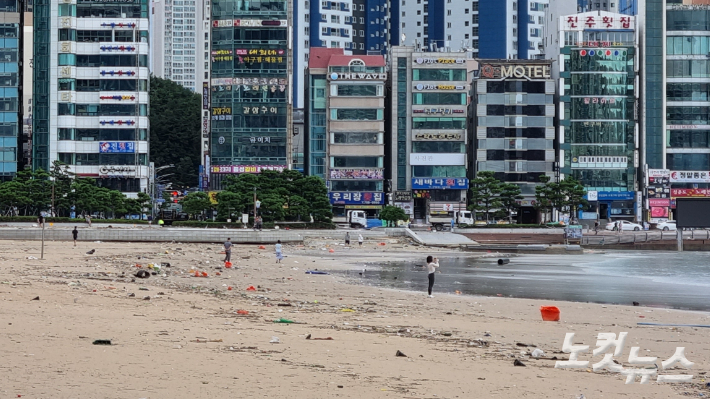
(625, 226)
(667, 226)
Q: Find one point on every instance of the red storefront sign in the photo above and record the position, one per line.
(690, 192)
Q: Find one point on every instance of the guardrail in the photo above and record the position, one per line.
(643, 236)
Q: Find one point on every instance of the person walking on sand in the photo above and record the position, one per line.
(279, 253)
(40, 220)
(88, 219)
(431, 265)
(347, 238)
(75, 234)
(228, 250)
(359, 239)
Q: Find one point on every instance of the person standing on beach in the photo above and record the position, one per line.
(228, 250)
(40, 220)
(431, 265)
(359, 239)
(347, 238)
(279, 253)
(75, 234)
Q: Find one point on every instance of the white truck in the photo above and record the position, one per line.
(353, 218)
(439, 220)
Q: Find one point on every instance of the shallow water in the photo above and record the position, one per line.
(660, 279)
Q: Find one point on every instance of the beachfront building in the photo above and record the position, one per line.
(676, 101)
(345, 124)
(598, 111)
(250, 70)
(90, 90)
(178, 42)
(514, 125)
(11, 142)
(427, 156)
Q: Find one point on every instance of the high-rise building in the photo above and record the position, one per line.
(436, 25)
(676, 99)
(428, 150)
(628, 7)
(514, 125)
(346, 127)
(11, 149)
(598, 111)
(91, 90)
(370, 23)
(27, 86)
(178, 42)
(250, 97)
(356, 26)
(511, 28)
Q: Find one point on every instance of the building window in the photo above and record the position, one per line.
(465, 11)
(448, 12)
(515, 6)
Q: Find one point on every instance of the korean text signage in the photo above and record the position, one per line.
(690, 177)
(117, 170)
(403, 196)
(593, 21)
(659, 202)
(437, 159)
(375, 174)
(356, 198)
(460, 183)
(121, 147)
(615, 195)
(690, 192)
(205, 95)
(358, 76)
(440, 61)
(225, 23)
(516, 71)
(421, 86)
(227, 169)
(443, 111)
(438, 136)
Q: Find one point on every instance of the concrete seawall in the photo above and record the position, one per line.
(190, 235)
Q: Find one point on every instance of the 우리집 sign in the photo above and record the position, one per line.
(356, 198)
(121, 147)
(457, 183)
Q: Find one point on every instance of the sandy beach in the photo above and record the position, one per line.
(174, 335)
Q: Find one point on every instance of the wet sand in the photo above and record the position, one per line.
(189, 340)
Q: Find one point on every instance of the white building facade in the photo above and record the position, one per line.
(91, 60)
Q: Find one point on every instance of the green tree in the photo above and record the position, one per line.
(195, 203)
(229, 205)
(543, 193)
(573, 193)
(175, 125)
(509, 197)
(392, 214)
(485, 191)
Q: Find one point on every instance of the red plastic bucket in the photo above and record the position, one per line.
(550, 313)
(228, 264)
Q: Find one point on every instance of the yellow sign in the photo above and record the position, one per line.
(213, 197)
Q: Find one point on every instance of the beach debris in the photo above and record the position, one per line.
(142, 289)
(550, 313)
(636, 303)
(35, 298)
(165, 264)
(346, 310)
(503, 261)
(93, 251)
(262, 247)
(131, 295)
(146, 298)
(446, 334)
(315, 272)
(242, 312)
(32, 257)
(142, 274)
(229, 288)
(102, 342)
(284, 304)
(487, 334)
(538, 353)
(284, 321)
(251, 288)
(400, 354)
(518, 363)
(274, 340)
(319, 339)
(525, 345)
(340, 386)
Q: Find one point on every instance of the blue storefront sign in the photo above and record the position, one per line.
(615, 196)
(440, 183)
(110, 147)
(356, 198)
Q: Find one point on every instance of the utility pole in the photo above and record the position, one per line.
(254, 206)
